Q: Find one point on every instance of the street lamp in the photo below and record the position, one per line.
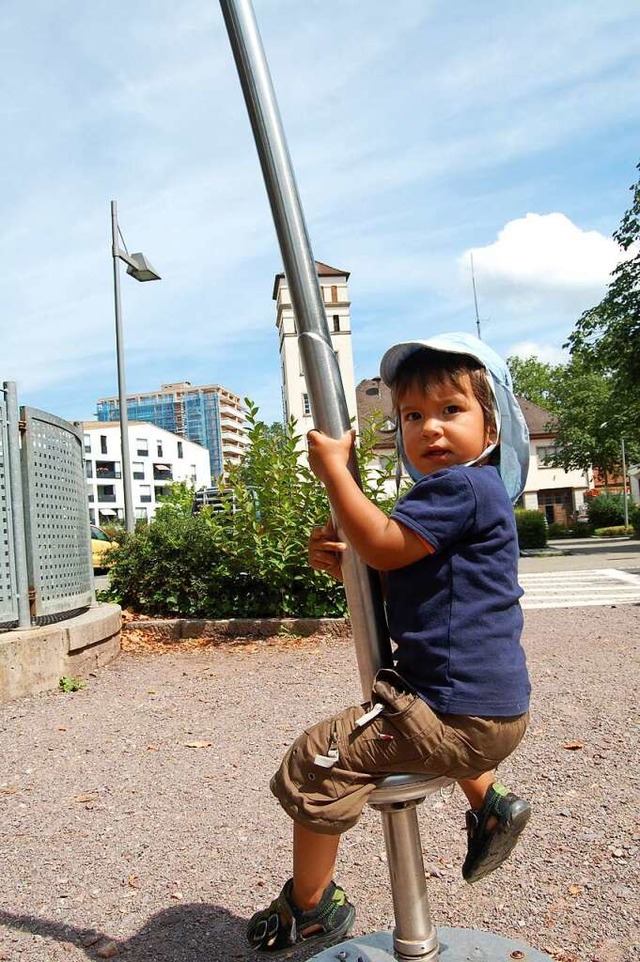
(138, 267)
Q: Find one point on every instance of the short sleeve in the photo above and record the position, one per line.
(440, 508)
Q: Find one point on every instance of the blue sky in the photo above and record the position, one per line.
(419, 131)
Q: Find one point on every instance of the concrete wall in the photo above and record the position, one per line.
(35, 659)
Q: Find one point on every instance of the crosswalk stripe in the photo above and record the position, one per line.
(577, 589)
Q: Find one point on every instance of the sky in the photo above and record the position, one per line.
(420, 132)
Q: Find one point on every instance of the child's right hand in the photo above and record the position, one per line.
(325, 551)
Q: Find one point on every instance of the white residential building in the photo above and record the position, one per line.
(157, 457)
(335, 294)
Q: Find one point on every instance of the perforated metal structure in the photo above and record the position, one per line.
(56, 515)
(8, 593)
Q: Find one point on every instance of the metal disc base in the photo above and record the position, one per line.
(456, 945)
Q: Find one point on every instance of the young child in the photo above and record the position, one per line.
(457, 702)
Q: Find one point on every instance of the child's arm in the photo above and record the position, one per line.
(380, 541)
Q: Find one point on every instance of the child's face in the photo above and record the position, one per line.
(442, 425)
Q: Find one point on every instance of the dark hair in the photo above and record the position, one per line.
(425, 367)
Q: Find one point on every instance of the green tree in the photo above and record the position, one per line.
(607, 337)
(588, 414)
(534, 380)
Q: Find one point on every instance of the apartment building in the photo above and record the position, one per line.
(209, 415)
(158, 458)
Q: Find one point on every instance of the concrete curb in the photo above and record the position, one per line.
(35, 659)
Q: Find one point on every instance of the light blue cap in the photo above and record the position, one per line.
(513, 436)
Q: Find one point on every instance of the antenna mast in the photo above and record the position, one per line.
(475, 296)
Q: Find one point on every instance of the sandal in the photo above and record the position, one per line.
(488, 848)
(282, 926)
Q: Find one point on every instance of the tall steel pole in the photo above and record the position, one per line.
(624, 486)
(129, 520)
(322, 373)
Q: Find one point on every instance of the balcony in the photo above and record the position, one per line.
(106, 498)
(162, 472)
(107, 469)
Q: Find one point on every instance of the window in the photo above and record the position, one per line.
(103, 444)
(145, 493)
(142, 447)
(180, 454)
(373, 391)
(92, 515)
(545, 453)
(141, 514)
(87, 443)
(138, 470)
(334, 293)
(193, 475)
(88, 466)
(159, 449)
(336, 323)
(306, 406)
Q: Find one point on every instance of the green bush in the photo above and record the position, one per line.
(532, 529)
(247, 558)
(578, 529)
(605, 510)
(615, 531)
(634, 519)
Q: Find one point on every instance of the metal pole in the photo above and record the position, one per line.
(17, 505)
(415, 935)
(129, 520)
(624, 486)
(322, 373)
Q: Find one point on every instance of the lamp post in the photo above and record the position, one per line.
(625, 500)
(138, 267)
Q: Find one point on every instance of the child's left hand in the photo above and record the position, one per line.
(327, 454)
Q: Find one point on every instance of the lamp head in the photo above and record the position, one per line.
(142, 271)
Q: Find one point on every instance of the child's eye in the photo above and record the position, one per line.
(412, 416)
(452, 409)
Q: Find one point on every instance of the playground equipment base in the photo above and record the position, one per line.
(456, 945)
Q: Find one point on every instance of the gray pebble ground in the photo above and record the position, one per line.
(136, 820)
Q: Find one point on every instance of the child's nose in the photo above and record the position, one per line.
(431, 426)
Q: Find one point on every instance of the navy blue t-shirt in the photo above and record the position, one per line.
(455, 614)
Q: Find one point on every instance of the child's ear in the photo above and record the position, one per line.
(491, 434)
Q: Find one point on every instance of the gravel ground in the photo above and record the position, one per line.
(137, 821)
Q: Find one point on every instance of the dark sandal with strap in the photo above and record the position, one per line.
(488, 848)
(281, 927)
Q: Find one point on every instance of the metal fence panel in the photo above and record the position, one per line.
(8, 591)
(56, 514)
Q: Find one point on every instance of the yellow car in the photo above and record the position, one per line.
(101, 547)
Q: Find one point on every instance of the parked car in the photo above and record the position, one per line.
(101, 548)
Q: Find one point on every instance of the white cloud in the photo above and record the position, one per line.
(546, 252)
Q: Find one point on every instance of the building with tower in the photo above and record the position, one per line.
(335, 294)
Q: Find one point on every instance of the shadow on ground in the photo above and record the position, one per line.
(187, 932)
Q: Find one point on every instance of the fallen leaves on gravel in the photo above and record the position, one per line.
(573, 746)
(138, 641)
(198, 744)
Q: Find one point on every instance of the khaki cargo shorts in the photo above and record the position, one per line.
(328, 773)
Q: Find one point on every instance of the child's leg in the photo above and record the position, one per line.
(311, 909)
(314, 859)
(496, 819)
(476, 788)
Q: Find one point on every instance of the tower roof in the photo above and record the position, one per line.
(323, 270)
